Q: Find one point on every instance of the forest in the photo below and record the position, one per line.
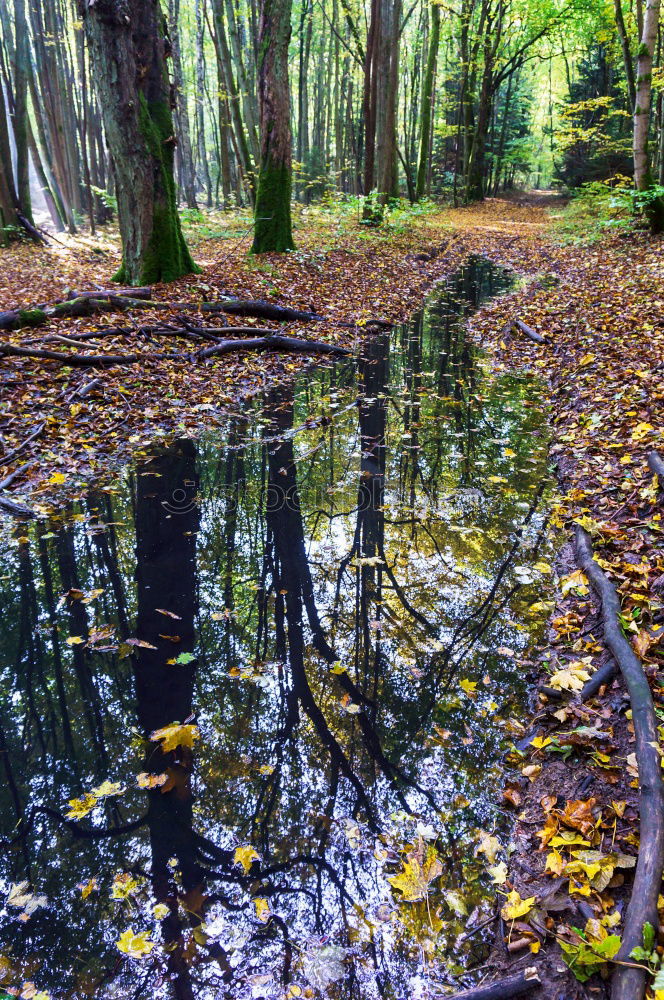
(331, 499)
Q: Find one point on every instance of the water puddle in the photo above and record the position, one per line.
(319, 610)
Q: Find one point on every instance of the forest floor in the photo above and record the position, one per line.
(574, 788)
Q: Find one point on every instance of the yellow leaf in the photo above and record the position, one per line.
(58, 478)
(641, 431)
(516, 907)
(81, 807)
(88, 888)
(135, 945)
(146, 780)
(74, 640)
(468, 686)
(123, 886)
(262, 910)
(498, 873)
(414, 881)
(245, 856)
(160, 911)
(175, 736)
(488, 846)
(108, 788)
(555, 863)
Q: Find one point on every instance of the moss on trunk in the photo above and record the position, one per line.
(273, 230)
(166, 255)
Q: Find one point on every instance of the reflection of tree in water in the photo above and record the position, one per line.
(314, 729)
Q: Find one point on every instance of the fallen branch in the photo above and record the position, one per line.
(503, 989)
(656, 464)
(529, 332)
(274, 342)
(110, 293)
(267, 342)
(85, 360)
(6, 459)
(260, 309)
(629, 982)
(13, 507)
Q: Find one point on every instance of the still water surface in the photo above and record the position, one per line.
(329, 596)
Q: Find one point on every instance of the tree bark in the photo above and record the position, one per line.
(273, 231)
(185, 158)
(627, 55)
(643, 179)
(427, 103)
(21, 110)
(128, 45)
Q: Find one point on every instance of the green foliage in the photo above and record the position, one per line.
(586, 955)
(594, 133)
(596, 207)
(108, 200)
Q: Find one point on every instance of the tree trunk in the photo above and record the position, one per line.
(186, 161)
(386, 109)
(128, 47)
(643, 179)
(627, 55)
(21, 109)
(272, 231)
(427, 102)
(200, 109)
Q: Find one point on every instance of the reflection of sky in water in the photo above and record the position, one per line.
(328, 637)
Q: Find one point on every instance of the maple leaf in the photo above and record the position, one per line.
(108, 788)
(414, 881)
(123, 886)
(81, 807)
(578, 815)
(571, 678)
(175, 736)
(135, 945)
(467, 685)
(498, 873)
(245, 856)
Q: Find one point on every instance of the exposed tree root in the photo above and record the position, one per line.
(629, 982)
(125, 299)
(268, 341)
(504, 989)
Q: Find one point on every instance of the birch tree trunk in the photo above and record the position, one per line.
(128, 46)
(643, 179)
(272, 231)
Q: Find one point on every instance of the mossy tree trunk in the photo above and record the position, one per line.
(272, 231)
(643, 179)
(427, 103)
(129, 47)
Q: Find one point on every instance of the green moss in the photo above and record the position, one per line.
(273, 230)
(643, 51)
(31, 317)
(166, 256)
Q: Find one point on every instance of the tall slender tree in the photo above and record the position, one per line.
(643, 179)
(273, 230)
(129, 47)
